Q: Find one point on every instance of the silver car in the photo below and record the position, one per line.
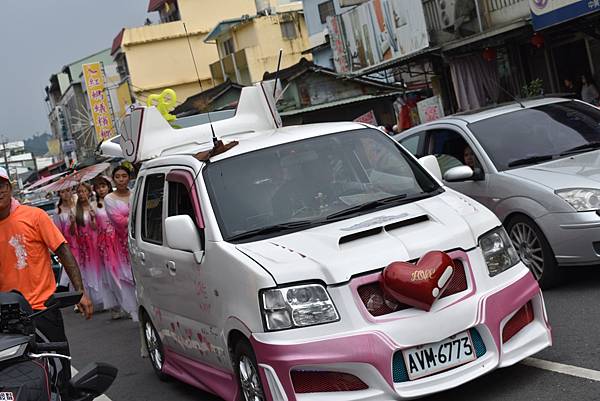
(536, 164)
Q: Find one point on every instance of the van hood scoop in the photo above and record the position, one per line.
(335, 252)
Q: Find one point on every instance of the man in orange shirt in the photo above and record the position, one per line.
(26, 236)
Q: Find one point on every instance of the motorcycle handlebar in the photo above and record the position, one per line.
(59, 347)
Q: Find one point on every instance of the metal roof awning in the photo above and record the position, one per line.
(394, 62)
(485, 35)
(221, 27)
(342, 102)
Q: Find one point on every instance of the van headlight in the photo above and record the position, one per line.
(298, 306)
(581, 199)
(498, 251)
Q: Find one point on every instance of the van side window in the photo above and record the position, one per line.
(179, 201)
(152, 208)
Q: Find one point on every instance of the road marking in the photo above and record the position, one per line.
(103, 397)
(562, 368)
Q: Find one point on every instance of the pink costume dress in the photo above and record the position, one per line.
(123, 286)
(62, 220)
(89, 260)
(107, 243)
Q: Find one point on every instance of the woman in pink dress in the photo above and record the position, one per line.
(107, 243)
(117, 209)
(63, 219)
(88, 253)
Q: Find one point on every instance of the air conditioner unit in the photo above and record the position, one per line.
(452, 10)
(446, 11)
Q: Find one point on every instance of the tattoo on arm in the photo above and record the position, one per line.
(70, 264)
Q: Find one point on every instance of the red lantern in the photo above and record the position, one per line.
(489, 54)
(537, 40)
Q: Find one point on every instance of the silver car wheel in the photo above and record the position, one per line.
(153, 346)
(528, 246)
(251, 385)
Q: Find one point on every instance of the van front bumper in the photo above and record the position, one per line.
(368, 354)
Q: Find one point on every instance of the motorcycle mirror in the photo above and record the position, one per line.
(94, 379)
(63, 299)
(59, 300)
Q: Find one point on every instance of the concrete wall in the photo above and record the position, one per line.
(324, 58)
(311, 14)
(265, 33)
(205, 14)
(158, 57)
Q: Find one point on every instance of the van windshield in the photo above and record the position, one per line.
(293, 186)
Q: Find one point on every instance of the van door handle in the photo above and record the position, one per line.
(171, 267)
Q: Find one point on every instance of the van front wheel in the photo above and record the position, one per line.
(153, 346)
(246, 369)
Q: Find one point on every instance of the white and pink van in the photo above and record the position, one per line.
(319, 262)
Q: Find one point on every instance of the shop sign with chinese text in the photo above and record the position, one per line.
(545, 13)
(99, 105)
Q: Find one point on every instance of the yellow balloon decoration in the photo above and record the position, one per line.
(165, 102)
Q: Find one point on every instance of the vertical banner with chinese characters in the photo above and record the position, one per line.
(98, 97)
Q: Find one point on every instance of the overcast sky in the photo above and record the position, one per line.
(39, 37)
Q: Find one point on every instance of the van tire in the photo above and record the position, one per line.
(154, 347)
(523, 231)
(247, 372)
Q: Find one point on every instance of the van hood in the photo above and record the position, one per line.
(335, 252)
(577, 171)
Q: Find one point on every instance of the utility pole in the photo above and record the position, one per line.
(4, 142)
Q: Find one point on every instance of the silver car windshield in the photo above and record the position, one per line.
(314, 181)
(539, 134)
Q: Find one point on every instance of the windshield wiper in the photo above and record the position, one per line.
(366, 206)
(530, 160)
(582, 148)
(272, 229)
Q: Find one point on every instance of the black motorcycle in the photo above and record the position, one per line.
(29, 368)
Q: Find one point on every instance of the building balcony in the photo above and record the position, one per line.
(442, 23)
(234, 67)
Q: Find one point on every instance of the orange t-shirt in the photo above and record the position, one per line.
(25, 237)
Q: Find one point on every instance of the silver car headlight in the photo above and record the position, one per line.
(498, 251)
(297, 306)
(581, 199)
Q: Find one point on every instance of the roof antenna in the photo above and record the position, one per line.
(277, 73)
(513, 97)
(214, 136)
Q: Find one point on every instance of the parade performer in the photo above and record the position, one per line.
(117, 209)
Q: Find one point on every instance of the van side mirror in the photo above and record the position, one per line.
(182, 234)
(431, 164)
(459, 173)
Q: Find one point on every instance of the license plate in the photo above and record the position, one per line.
(7, 396)
(428, 359)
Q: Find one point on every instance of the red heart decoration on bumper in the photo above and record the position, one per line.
(418, 285)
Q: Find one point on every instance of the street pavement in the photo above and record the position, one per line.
(572, 308)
